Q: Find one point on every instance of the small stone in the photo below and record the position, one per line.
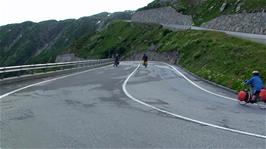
(223, 7)
(238, 7)
(211, 8)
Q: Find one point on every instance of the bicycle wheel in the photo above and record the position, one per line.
(242, 102)
(261, 104)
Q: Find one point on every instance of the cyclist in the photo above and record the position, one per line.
(145, 60)
(257, 84)
(116, 61)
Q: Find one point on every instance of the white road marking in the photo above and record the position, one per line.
(35, 84)
(196, 85)
(182, 117)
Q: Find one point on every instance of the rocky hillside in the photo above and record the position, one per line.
(254, 23)
(163, 15)
(206, 10)
(31, 42)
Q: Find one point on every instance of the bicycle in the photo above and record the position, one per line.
(116, 63)
(245, 97)
(145, 64)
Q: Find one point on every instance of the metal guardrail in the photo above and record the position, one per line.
(12, 71)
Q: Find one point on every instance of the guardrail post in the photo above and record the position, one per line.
(2, 76)
(19, 72)
(44, 68)
(32, 70)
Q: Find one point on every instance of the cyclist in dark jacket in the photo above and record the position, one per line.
(145, 60)
(256, 83)
(116, 62)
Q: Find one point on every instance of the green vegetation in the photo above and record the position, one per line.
(26, 42)
(212, 55)
(215, 56)
(210, 9)
(120, 37)
(31, 42)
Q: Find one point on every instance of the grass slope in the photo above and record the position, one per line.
(41, 42)
(215, 56)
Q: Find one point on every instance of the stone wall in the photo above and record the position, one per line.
(153, 54)
(192, 2)
(244, 22)
(67, 58)
(169, 57)
(166, 1)
(165, 15)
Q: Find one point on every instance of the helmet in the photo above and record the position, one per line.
(255, 72)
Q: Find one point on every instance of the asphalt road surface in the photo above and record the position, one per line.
(93, 110)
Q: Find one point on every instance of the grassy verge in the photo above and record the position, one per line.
(120, 37)
(212, 55)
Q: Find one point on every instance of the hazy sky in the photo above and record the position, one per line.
(16, 11)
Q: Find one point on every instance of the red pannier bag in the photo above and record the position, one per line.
(263, 94)
(242, 96)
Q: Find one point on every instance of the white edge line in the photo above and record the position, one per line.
(182, 117)
(196, 85)
(28, 86)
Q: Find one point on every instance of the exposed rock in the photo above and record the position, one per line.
(238, 8)
(191, 2)
(153, 47)
(244, 22)
(211, 8)
(238, 1)
(238, 5)
(223, 7)
(169, 57)
(154, 55)
(67, 58)
(165, 1)
(165, 15)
